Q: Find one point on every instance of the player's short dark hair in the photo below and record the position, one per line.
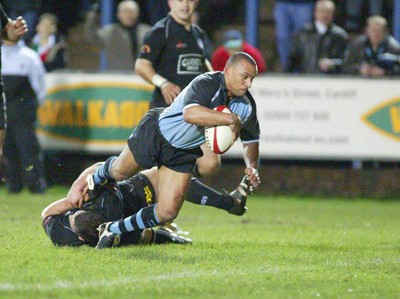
(86, 224)
(240, 56)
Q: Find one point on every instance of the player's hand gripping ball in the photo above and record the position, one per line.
(219, 138)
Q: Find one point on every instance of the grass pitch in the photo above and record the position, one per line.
(282, 248)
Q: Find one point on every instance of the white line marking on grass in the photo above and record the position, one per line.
(68, 285)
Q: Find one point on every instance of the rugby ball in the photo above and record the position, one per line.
(219, 138)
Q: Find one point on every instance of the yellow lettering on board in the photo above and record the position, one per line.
(132, 112)
(111, 116)
(140, 110)
(48, 113)
(395, 118)
(94, 113)
(66, 115)
(80, 120)
(127, 109)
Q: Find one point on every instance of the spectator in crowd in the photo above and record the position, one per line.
(24, 87)
(319, 47)
(121, 41)
(375, 53)
(233, 42)
(28, 9)
(290, 16)
(48, 43)
(13, 31)
(354, 12)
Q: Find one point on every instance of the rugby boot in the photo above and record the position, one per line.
(107, 239)
(239, 196)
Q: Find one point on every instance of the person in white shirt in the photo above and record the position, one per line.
(24, 88)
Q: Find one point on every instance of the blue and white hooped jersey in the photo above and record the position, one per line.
(207, 90)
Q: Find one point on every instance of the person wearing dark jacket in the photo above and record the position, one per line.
(121, 41)
(319, 47)
(375, 53)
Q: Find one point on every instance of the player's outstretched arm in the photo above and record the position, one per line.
(77, 195)
(56, 208)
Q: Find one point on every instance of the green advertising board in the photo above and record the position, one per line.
(94, 113)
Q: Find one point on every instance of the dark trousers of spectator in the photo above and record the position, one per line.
(23, 166)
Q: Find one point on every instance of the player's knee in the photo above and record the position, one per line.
(209, 166)
(167, 214)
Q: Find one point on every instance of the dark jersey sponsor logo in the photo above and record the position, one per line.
(190, 64)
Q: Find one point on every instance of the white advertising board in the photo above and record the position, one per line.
(327, 118)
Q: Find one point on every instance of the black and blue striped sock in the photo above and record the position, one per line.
(145, 218)
(103, 171)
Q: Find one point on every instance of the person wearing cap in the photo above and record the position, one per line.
(233, 42)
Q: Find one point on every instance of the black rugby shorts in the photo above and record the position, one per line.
(150, 148)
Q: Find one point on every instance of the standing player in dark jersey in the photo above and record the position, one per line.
(10, 30)
(173, 53)
(68, 224)
(171, 138)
